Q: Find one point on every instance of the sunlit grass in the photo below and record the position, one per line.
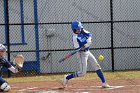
(88, 76)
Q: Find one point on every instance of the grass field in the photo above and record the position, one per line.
(89, 76)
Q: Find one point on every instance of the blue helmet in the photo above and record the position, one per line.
(76, 25)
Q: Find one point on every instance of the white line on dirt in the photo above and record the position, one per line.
(85, 88)
(31, 88)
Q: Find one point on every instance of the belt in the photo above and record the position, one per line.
(85, 50)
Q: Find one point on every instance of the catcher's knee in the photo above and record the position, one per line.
(5, 87)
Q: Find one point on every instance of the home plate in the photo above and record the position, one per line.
(111, 87)
(91, 88)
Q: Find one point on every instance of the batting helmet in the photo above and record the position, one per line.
(2, 47)
(76, 25)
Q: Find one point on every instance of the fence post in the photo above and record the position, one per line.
(7, 30)
(36, 35)
(112, 45)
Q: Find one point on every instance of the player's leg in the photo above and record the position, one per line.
(4, 86)
(82, 56)
(98, 70)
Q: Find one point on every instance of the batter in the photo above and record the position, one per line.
(83, 38)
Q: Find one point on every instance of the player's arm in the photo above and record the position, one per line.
(8, 65)
(75, 42)
(89, 40)
(13, 69)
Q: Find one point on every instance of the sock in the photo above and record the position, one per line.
(73, 75)
(101, 75)
(70, 76)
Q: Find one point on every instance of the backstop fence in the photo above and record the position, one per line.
(40, 30)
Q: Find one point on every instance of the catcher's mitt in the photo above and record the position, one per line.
(19, 60)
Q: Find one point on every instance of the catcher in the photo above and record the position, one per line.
(4, 86)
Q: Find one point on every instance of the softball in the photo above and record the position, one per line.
(100, 57)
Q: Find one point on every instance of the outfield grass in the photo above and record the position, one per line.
(89, 76)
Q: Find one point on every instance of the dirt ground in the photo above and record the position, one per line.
(117, 86)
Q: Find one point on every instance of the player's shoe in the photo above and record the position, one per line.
(105, 85)
(65, 81)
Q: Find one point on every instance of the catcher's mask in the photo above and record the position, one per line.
(2, 48)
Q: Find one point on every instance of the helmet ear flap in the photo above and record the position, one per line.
(74, 31)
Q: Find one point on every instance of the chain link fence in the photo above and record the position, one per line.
(40, 30)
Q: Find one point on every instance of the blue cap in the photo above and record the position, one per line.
(76, 25)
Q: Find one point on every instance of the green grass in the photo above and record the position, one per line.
(89, 76)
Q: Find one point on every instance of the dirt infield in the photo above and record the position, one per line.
(117, 86)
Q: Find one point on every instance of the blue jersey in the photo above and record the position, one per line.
(79, 40)
(4, 63)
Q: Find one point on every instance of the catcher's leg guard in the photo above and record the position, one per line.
(5, 87)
